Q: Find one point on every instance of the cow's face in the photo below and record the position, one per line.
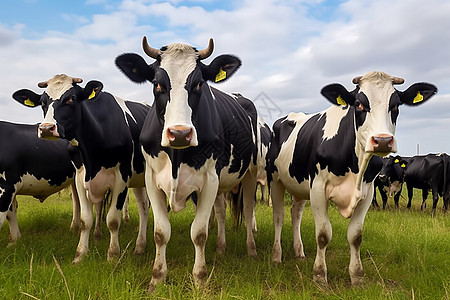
(375, 103)
(179, 81)
(59, 102)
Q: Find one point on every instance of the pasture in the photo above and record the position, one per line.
(405, 256)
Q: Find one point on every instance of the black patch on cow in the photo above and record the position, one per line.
(121, 198)
(336, 153)
(373, 169)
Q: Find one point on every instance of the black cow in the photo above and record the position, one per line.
(31, 166)
(106, 131)
(196, 139)
(390, 180)
(429, 172)
(333, 156)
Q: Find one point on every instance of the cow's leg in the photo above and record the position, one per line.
(410, 195)
(220, 208)
(161, 230)
(75, 224)
(99, 206)
(354, 238)
(397, 197)
(143, 206)
(296, 216)
(119, 196)
(14, 232)
(435, 195)
(249, 189)
(424, 199)
(384, 198)
(319, 206)
(277, 195)
(86, 219)
(125, 212)
(199, 227)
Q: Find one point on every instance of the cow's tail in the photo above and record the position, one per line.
(105, 205)
(237, 204)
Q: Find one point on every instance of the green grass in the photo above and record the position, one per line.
(405, 255)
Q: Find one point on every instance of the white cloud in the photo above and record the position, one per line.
(287, 54)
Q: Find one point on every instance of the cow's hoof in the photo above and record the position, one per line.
(113, 255)
(357, 281)
(321, 281)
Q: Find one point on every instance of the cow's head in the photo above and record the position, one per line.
(375, 103)
(59, 103)
(179, 80)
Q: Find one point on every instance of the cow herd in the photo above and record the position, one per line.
(197, 142)
(425, 172)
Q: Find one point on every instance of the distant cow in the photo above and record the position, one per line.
(265, 136)
(333, 156)
(31, 166)
(429, 172)
(196, 139)
(106, 130)
(390, 180)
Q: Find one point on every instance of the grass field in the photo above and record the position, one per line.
(406, 255)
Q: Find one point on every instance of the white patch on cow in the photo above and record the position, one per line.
(49, 118)
(125, 109)
(40, 188)
(58, 85)
(3, 175)
(2, 190)
(179, 60)
(211, 91)
(378, 88)
(334, 115)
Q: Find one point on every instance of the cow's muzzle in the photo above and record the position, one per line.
(48, 131)
(382, 144)
(179, 136)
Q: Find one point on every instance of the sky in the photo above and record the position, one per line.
(289, 49)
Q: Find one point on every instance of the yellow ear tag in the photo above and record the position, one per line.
(402, 165)
(221, 75)
(397, 161)
(341, 101)
(92, 95)
(418, 98)
(28, 102)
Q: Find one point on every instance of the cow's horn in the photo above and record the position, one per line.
(397, 80)
(356, 79)
(77, 80)
(43, 84)
(205, 53)
(152, 52)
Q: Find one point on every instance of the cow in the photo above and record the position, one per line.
(196, 139)
(31, 166)
(334, 155)
(429, 172)
(105, 129)
(390, 180)
(265, 136)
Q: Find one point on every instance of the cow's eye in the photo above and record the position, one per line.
(198, 87)
(70, 100)
(359, 106)
(158, 87)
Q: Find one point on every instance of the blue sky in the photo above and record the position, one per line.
(289, 49)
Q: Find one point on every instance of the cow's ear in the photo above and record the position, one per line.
(221, 68)
(417, 93)
(27, 98)
(403, 164)
(92, 89)
(135, 67)
(337, 94)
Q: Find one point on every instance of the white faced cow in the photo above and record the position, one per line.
(333, 156)
(106, 131)
(31, 166)
(196, 139)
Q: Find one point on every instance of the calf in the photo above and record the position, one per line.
(196, 139)
(31, 166)
(106, 131)
(333, 156)
(429, 172)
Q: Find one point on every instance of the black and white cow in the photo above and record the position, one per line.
(265, 136)
(196, 139)
(390, 180)
(333, 156)
(31, 166)
(106, 131)
(429, 172)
